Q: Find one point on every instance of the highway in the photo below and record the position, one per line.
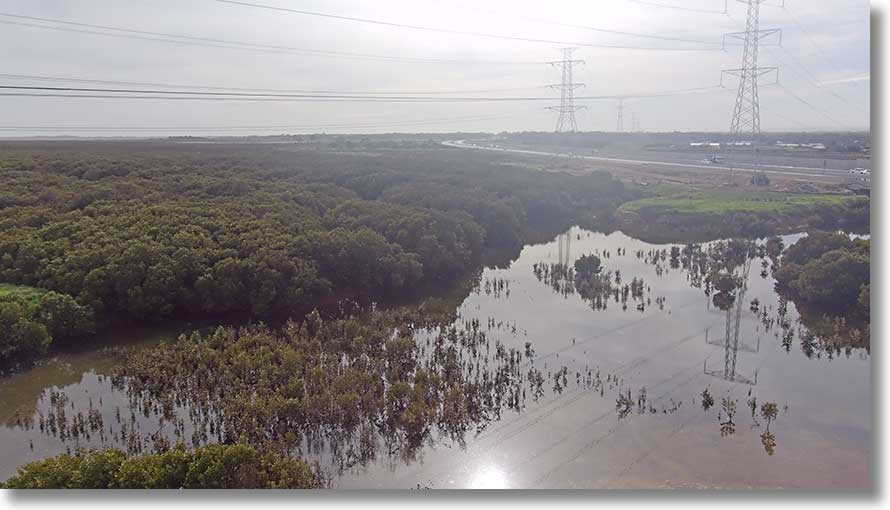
(797, 171)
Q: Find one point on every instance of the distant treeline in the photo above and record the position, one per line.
(151, 230)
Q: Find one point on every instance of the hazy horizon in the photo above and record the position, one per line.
(674, 53)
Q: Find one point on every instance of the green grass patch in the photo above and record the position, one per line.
(24, 293)
(728, 202)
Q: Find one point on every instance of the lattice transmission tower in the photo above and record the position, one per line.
(567, 106)
(746, 112)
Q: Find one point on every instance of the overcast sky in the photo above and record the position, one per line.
(823, 61)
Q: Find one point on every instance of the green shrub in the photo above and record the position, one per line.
(214, 466)
(32, 319)
(829, 270)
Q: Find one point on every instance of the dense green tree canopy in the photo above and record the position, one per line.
(216, 466)
(149, 231)
(829, 270)
(32, 319)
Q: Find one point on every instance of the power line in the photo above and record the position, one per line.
(811, 40)
(267, 99)
(249, 89)
(207, 42)
(812, 106)
(266, 95)
(789, 119)
(798, 69)
(257, 127)
(330, 96)
(663, 93)
(807, 76)
(680, 8)
(807, 73)
(817, 82)
(453, 31)
(633, 34)
(599, 29)
(674, 92)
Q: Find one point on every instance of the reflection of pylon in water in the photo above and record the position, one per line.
(730, 343)
(565, 244)
(732, 331)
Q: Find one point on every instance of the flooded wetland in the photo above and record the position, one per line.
(374, 246)
(590, 361)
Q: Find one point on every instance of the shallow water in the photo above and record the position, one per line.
(573, 437)
(82, 375)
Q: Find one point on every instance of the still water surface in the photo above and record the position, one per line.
(667, 345)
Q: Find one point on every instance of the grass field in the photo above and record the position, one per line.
(727, 202)
(21, 292)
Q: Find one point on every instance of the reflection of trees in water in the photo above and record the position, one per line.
(769, 411)
(559, 277)
(729, 270)
(727, 409)
(726, 416)
(593, 284)
(495, 287)
(732, 304)
(598, 288)
(819, 332)
(725, 267)
(830, 337)
(819, 335)
(20, 401)
(723, 270)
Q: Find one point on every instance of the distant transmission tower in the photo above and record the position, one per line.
(746, 113)
(620, 114)
(567, 107)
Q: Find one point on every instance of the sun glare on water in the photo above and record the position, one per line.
(489, 477)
